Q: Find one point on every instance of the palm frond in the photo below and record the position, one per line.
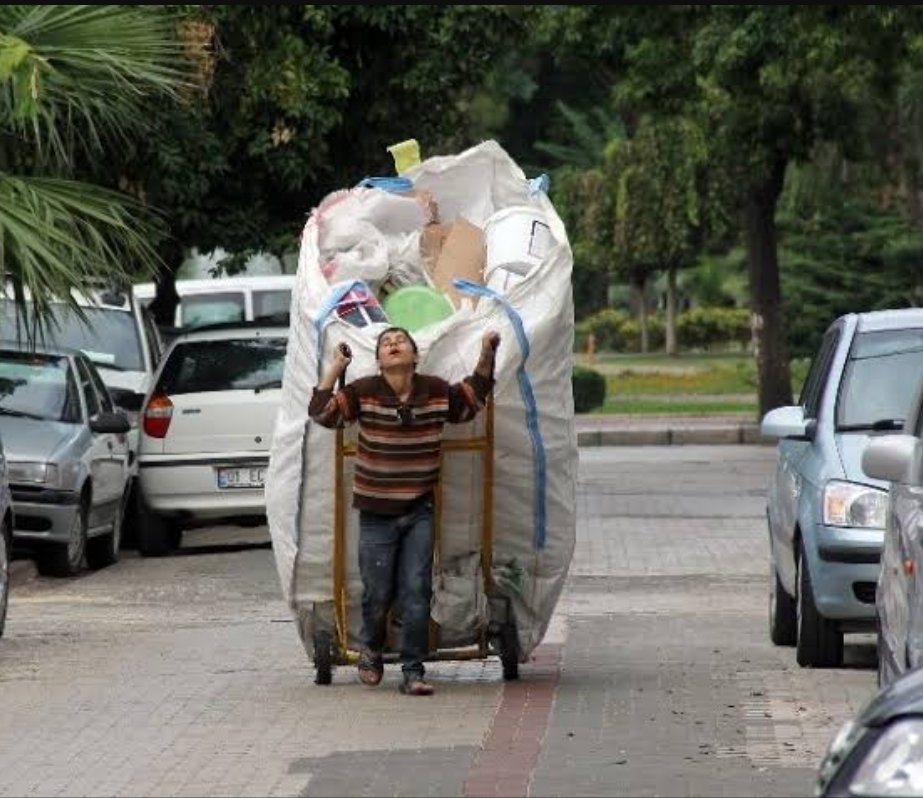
(78, 75)
(60, 234)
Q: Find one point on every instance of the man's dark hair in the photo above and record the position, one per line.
(383, 333)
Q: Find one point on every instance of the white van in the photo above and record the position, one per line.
(226, 299)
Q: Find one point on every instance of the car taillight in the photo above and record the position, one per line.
(157, 416)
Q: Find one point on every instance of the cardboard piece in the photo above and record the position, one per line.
(454, 250)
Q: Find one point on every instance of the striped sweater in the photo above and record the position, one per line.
(397, 460)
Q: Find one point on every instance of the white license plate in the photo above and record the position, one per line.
(243, 477)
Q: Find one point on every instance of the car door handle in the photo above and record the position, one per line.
(110, 445)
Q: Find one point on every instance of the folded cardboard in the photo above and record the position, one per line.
(454, 251)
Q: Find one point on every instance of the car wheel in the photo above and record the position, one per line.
(157, 536)
(6, 536)
(67, 559)
(104, 549)
(783, 612)
(819, 642)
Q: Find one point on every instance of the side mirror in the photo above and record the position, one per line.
(127, 399)
(110, 422)
(788, 422)
(891, 458)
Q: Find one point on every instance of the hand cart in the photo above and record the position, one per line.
(497, 637)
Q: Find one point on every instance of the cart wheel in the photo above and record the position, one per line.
(323, 658)
(509, 652)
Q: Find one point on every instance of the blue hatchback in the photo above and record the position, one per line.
(826, 516)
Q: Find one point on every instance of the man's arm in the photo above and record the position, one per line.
(331, 409)
(466, 398)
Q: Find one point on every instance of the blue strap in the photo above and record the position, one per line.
(396, 185)
(539, 184)
(528, 398)
(330, 304)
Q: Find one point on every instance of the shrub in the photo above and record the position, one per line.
(589, 388)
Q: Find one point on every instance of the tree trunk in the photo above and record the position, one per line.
(774, 375)
(671, 313)
(640, 286)
(163, 306)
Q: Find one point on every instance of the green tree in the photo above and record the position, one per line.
(769, 83)
(302, 100)
(74, 81)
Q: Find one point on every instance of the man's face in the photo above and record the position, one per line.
(395, 349)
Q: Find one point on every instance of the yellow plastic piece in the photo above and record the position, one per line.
(406, 155)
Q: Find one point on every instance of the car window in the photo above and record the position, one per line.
(267, 304)
(107, 336)
(89, 392)
(212, 308)
(38, 386)
(813, 391)
(892, 362)
(239, 364)
(102, 393)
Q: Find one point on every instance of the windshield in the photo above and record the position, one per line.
(881, 377)
(232, 365)
(37, 386)
(109, 337)
(197, 310)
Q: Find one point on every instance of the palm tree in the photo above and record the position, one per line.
(74, 80)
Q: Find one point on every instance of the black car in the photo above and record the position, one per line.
(880, 752)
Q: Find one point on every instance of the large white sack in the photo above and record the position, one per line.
(535, 462)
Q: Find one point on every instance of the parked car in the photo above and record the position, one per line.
(219, 300)
(898, 459)
(826, 516)
(880, 751)
(118, 334)
(6, 539)
(207, 428)
(67, 457)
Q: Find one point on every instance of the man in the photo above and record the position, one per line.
(401, 415)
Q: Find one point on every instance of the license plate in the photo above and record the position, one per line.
(242, 477)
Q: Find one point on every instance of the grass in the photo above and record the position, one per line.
(707, 383)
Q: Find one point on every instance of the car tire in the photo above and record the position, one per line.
(68, 559)
(157, 536)
(819, 641)
(6, 557)
(103, 550)
(783, 611)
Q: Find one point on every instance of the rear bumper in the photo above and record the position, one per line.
(187, 487)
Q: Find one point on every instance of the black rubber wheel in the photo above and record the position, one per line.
(104, 550)
(783, 612)
(323, 658)
(67, 559)
(819, 641)
(157, 536)
(509, 652)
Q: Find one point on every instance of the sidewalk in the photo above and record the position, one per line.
(664, 430)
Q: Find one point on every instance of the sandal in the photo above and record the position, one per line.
(370, 670)
(416, 686)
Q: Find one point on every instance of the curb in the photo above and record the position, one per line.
(675, 436)
(22, 571)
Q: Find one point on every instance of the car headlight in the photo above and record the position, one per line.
(854, 505)
(837, 752)
(894, 765)
(36, 473)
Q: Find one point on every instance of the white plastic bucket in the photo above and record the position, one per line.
(517, 240)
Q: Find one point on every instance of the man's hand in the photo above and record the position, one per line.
(489, 344)
(342, 357)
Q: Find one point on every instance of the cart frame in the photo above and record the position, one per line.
(496, 636)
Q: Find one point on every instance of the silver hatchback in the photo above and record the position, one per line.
(67, 458)
(826, 516)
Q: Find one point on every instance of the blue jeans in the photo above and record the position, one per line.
(396, 560)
